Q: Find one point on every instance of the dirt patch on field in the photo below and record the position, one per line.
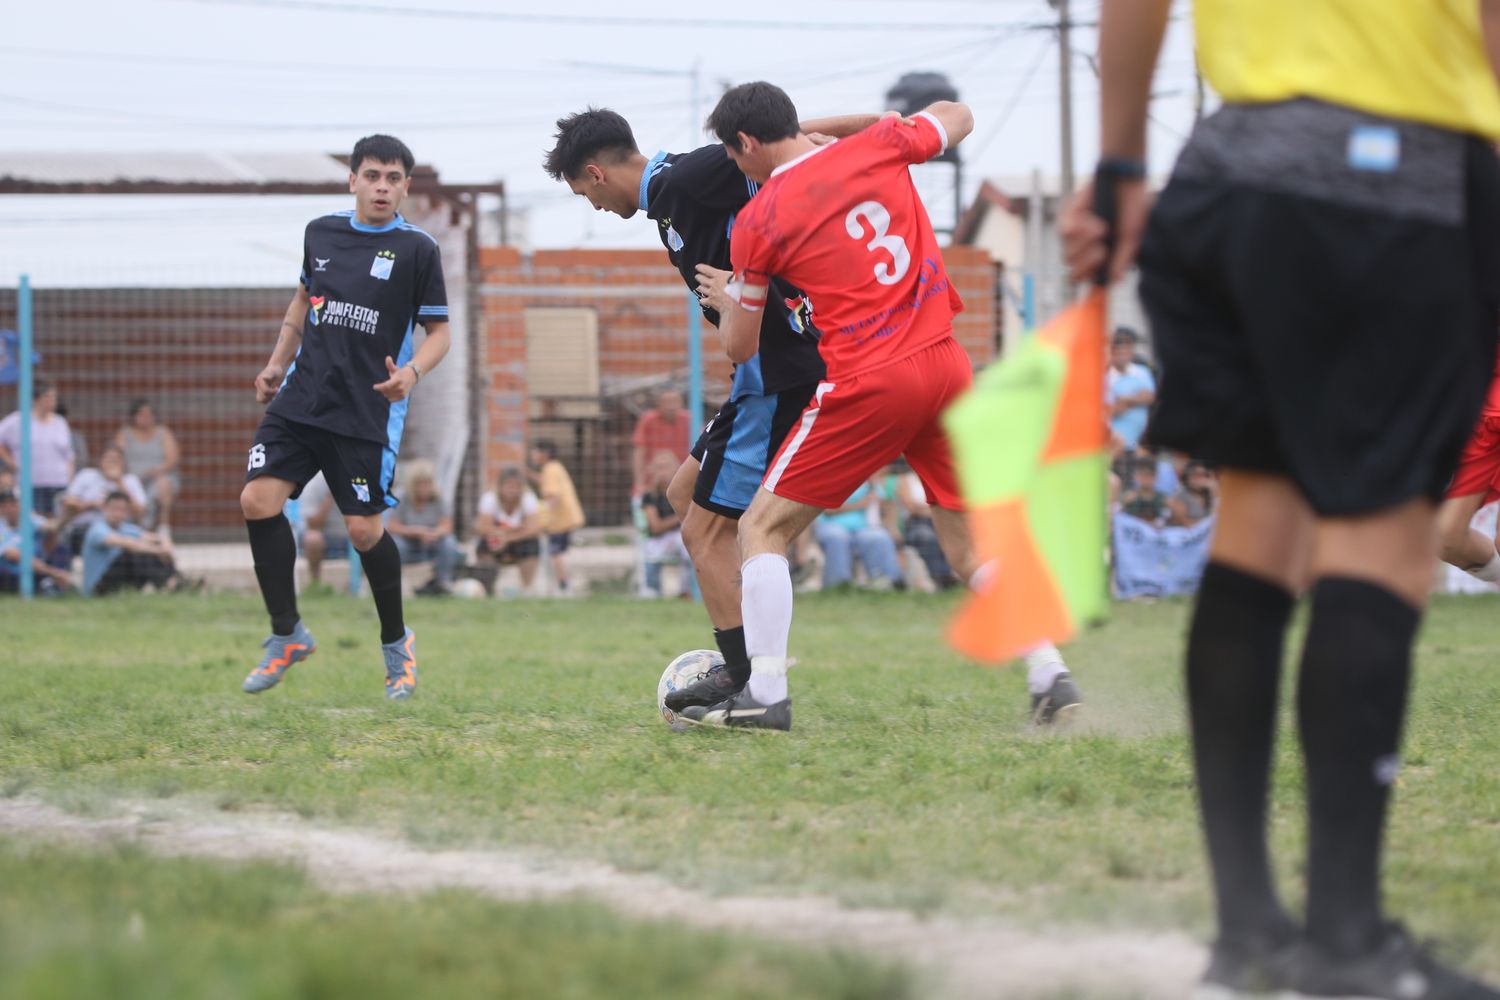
(965, 959)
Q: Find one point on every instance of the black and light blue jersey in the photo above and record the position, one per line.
(367, 286)
(693, 197)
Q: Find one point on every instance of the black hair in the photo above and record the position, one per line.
(381, 149)
(41, 387)
(117, 495)
(137, 405)
(588, 135)
(760, 110)
(510, 472)
(546, 448)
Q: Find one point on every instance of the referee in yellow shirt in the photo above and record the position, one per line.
(1322, 276)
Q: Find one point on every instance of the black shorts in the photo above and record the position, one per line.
(359, 472)
(513, 552)
(1346, 348)
(739, 443)
(559, 543)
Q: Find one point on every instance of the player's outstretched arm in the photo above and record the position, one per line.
(268, 382)
(400, 381)
(838, 126)
(955, 118)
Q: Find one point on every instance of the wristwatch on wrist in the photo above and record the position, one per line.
(1121, 168)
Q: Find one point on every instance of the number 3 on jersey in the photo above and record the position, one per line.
(879, 219)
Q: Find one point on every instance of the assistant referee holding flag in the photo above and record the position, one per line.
(1322, 280)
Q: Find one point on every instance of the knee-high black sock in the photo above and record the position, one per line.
(275, 551)
(1233, 675)
(731, 642)
(382, 563)
(1351, 702)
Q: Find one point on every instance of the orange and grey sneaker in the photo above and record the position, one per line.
(400, 666)
(281, 652)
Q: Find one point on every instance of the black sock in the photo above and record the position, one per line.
(1233, 679)
(275, 552)
(382, 563)
(731, 642)
(1351, 701)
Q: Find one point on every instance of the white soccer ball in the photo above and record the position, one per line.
(681, 672)
(468, 588)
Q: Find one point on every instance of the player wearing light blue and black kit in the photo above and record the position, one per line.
(339, 381)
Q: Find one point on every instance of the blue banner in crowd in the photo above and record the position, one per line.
(1158, 562)
(10, 352)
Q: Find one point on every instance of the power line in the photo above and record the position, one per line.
(619, 21)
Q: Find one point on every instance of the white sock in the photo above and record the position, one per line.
(766, 601)
(1489, 572)
(1044, 664)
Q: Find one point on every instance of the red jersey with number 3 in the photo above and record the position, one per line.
(844, 223)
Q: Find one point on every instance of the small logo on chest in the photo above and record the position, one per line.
(381, 266)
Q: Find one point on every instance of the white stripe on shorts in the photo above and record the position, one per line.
(774, 476)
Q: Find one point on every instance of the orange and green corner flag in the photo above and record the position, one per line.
(1031, 446)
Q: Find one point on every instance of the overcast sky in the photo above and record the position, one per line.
(474, 87)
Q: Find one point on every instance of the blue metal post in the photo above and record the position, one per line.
(1028, 301)
(23, 372)
(356, 568)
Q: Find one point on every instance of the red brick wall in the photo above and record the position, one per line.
(642, 309)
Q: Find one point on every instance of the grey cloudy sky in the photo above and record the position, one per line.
(474, 87)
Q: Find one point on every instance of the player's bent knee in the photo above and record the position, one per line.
(364, 532)
(260, 500)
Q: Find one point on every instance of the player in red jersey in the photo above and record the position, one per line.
(844, 223)
(1475, 484)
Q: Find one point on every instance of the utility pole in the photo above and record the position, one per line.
(1065, 74)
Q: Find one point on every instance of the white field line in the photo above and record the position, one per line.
(959, 959)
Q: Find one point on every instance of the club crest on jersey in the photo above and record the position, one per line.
(361, 490)
(314, 315)
(674, 240)
(799, 312)
(322, 263)
(381, 266)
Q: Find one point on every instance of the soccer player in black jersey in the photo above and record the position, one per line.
(693, 197)
(338, 382)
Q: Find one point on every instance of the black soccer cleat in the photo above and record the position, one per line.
(743, 711)
(714, 685)
(1396, 969)
(1241, 967)
(1059, 705)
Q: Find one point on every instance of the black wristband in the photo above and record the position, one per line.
(1121, 168)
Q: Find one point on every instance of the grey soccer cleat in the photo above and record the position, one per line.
(282, 651)
(742, 711)
(1059, 705)
(400, 666)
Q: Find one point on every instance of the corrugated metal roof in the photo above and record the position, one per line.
(172, 168)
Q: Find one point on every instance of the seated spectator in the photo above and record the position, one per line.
(510, 525)
(151, 454)
(1130, 388)
(1142, 499)
(663, 541)
(52, 458)
(50, 579)
(561, 512)
(118, 554)
(422, 526)
(919, 532)
(1197, 498)
(83, 500)
(665, 427)
(857, 526)
(321, 537)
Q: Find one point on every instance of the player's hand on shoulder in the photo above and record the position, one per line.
(398, 386)
(268, 383)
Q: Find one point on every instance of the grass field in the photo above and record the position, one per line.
(911, 779)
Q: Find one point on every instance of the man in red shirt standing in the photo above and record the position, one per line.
(843, 222)
(666, 427)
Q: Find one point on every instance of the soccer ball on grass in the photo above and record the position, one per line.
(681, 672)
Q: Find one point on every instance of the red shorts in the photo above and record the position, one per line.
(1479, 465)
(855, 427)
